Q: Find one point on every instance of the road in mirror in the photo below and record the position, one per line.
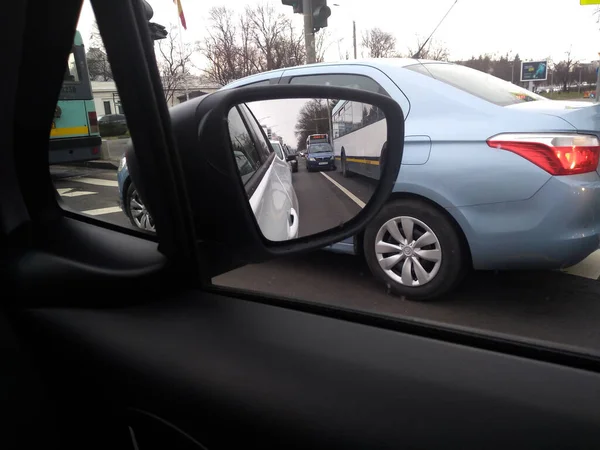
(308, 165)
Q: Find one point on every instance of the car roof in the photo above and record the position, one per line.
(372, 62)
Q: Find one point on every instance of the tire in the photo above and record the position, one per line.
(446, 273)
(345, 172)
(143, 221)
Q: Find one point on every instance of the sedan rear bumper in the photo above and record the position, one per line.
(556, 228)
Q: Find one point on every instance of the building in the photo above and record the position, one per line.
(107, 100)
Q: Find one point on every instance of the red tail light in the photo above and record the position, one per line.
(93, 119)
(557, 154)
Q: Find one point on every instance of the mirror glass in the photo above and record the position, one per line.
(308, 165)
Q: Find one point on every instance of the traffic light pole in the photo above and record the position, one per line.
(309, 34)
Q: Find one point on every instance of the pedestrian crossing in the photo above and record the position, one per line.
(76, 192)
(588, 268)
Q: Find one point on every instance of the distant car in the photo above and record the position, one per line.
(320, 156)
(112, 125)
(277, 215)
(493, 176)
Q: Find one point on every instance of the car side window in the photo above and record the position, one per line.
(343, 80)
(246, 154)
(262, 143)
(279, 151)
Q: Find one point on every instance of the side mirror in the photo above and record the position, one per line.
(247, 205)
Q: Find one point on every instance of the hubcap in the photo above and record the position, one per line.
(140, 215)
(408, 251)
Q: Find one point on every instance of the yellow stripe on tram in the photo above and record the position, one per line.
(68, 131)
(373, 162)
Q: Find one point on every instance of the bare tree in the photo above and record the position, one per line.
(259, 39)
(323, 41)
(174, 63)
(226, 60)
(313, 118)
(275, 38)
(97, 61)
(431, 50)
(379, 43)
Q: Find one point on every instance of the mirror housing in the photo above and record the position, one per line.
(228, 233)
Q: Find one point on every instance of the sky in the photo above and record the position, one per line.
(282, 115)
(536, 29)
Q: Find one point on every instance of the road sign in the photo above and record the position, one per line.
(534, 70)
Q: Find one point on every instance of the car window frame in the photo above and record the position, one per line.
(255, 164)
(254, 181)
(380, 91)
(383, 79)
(257, 133)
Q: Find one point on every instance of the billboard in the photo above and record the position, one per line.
(534, 70)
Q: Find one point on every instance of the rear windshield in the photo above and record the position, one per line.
(475, 82)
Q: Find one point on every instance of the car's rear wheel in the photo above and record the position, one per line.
(415, 249)
(136, 211)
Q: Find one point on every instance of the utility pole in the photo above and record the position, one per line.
(354, 36)
(309, 34)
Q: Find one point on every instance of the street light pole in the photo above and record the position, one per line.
(354, 37)
(353, 32)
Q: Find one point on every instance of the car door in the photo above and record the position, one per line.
(270, 189)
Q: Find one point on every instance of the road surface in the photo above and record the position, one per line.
(548, 306)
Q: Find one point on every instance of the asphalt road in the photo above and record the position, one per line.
(322, 204)
(547, 306)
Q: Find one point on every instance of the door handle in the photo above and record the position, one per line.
(293, 224)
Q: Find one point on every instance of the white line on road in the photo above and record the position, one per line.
(352, 197)
(102, 211)
(71, 193)
(96, 181)
(588, 268)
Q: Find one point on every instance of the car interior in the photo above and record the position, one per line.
(114, 338)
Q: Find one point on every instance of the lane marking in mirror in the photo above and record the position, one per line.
(352, 197)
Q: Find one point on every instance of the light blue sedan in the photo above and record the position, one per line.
(494, 177)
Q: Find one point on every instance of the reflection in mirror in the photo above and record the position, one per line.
(308, 165)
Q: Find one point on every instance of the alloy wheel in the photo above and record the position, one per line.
(408, 251)
(139, 214)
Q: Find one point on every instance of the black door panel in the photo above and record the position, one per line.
(279, 378)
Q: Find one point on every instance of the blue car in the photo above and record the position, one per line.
(130, 201)
(320, 156)
(494, 177)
